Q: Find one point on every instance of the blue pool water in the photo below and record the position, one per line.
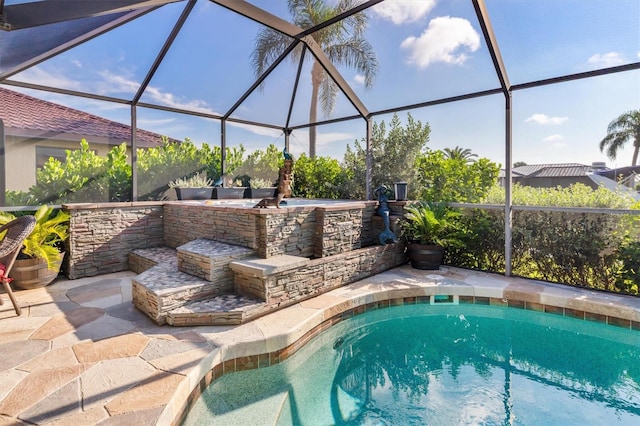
(441, 365)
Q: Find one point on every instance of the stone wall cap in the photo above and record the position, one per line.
(264, 267)
(93, 206)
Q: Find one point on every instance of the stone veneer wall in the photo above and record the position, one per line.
(286, 231)
(187, 222)
(295, 231)
(320, 275)
(102, 235)
(339, 230)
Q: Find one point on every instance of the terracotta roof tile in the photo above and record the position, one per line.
(26, 112)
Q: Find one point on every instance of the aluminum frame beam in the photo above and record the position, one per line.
(501, 71)
(76, 41)
(265, 18)
(44, 12)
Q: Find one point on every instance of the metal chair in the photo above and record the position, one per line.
(16, 231)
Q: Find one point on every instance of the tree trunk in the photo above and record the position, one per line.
(316, 79)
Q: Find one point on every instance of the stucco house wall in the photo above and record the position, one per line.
(30, 122)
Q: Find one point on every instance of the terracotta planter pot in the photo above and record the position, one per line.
(425, 256)
(34, 273)
(203, 193)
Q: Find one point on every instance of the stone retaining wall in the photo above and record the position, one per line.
(337, 231)
(286, 231)
(102, 235)
(187, 222)
(320, 275)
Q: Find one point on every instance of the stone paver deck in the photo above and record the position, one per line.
(81, 354)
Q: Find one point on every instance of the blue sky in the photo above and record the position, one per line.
(426, 50)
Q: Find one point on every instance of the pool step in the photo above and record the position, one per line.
(195, 274)
(209, 260)
(226, 309)
(159, 290)
(142, 259)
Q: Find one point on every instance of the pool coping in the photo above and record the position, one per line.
(275, 337)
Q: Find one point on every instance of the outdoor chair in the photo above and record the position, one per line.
(16, 231)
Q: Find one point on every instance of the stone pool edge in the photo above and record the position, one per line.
(275, 337)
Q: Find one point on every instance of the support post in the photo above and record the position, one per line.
(369, 160)
(223, 148)
(508, 210)
(134, 153)
(3, 161)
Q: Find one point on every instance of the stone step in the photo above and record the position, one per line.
(159, 290)
(142, 259)
(209, 260)
(226, 309)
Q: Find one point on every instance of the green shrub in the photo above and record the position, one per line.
(627, 277)
(319, 177)
(482, 241)
(576, 195)
(442, 178)
(393, 152)
(591, 250)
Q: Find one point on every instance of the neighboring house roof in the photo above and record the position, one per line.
(619, 171)
(24, 115)
(614, 186)
(549, 170)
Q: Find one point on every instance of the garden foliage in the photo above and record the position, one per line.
(443, 178)
(585, 249)
(394, 153)
(320, 177)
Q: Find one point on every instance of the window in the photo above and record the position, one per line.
(44, 152)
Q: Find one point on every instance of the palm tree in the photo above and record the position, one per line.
(620, 131)
(342, 42)
(458, 153)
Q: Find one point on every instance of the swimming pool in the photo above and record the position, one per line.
(447, 364)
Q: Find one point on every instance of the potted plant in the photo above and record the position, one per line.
(38, 264)
(430, 228)
(261, 188)
(196, 187)
(233, 190)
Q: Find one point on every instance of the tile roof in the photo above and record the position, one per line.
(22, 111)
(551, 170)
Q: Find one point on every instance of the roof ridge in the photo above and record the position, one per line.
(55, 117)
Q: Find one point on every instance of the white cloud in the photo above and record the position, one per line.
(442, 41)
(77, 63)
(112, 83)
(638, 55)
(359, 79)
(333, 137)
(555, 139)
(610, 59)
(403, 11)
(328, 143)
(257, 130)
(155, 122)
(545, 119)
(42, 77)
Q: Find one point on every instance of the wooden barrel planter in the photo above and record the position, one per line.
(33, 273)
